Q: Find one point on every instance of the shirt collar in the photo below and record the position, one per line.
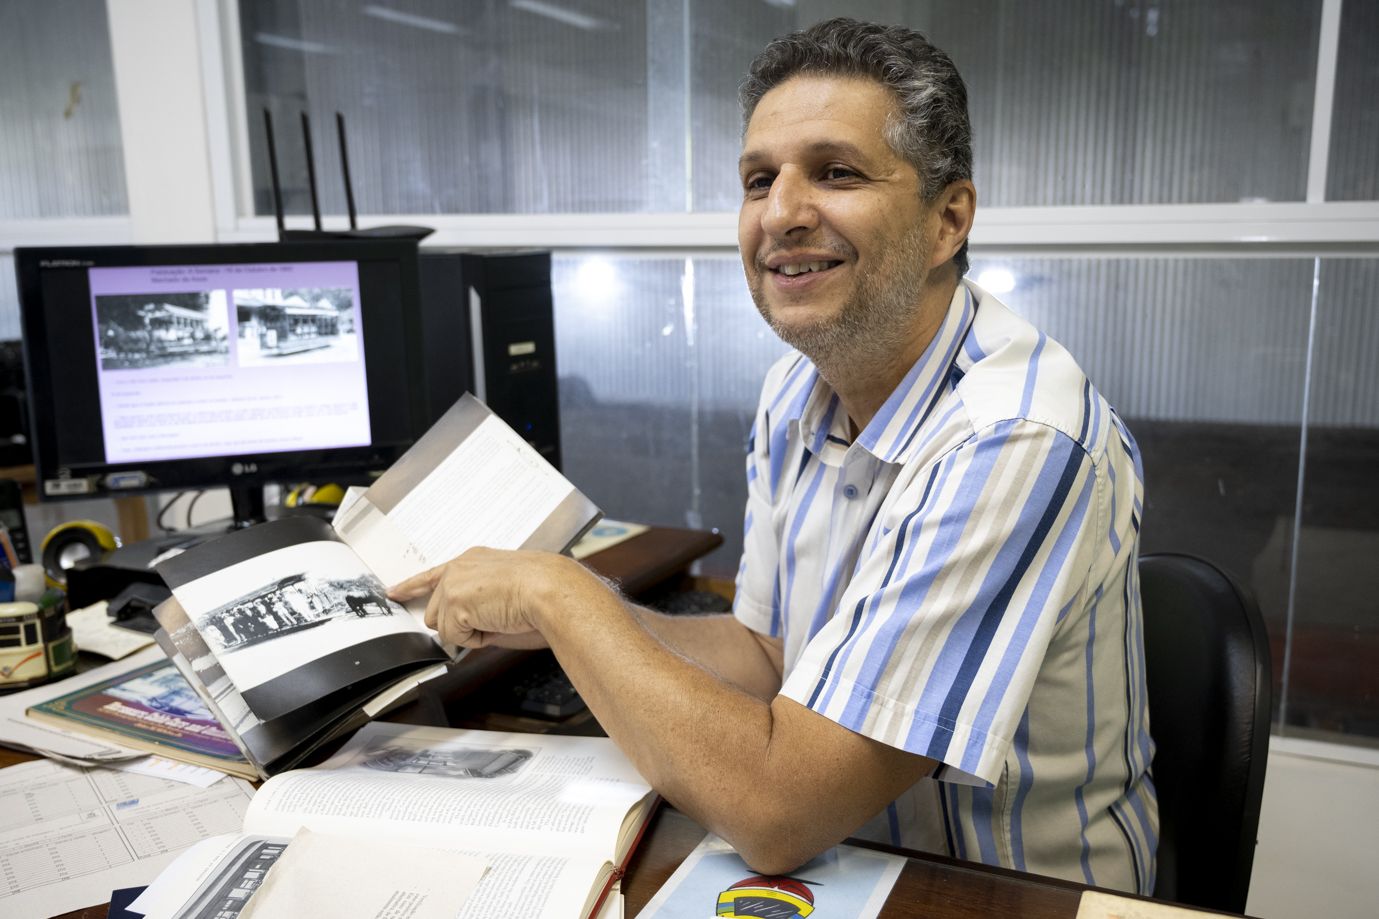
(890, 435)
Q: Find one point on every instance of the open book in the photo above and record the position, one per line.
(554, 818)
(285, 630)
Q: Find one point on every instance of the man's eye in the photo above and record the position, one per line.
(834, 173)
(757, 183)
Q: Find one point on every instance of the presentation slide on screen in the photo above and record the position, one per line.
(216, 360)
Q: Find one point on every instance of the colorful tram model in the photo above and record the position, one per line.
(294, 325)
(35, 642)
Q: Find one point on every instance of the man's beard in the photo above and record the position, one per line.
(877, 319)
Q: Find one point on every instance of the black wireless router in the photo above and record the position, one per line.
(401, 231)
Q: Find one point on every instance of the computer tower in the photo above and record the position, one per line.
(488, 327)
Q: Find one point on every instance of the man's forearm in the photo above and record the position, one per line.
(752, 771)
(720, 644)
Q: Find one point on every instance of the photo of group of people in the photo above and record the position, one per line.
(291, 605)
(274, 326)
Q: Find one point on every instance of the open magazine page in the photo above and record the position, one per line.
(520, 793)
(470, 481)
(290, 614)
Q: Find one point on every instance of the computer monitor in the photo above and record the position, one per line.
(156, 368)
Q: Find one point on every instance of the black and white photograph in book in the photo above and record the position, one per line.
(305, 325)
(139, 331)
(293, 604)
(450, 762)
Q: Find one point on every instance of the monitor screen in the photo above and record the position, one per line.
(166, 367)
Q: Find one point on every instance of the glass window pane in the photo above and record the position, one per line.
(57, 81)
(1205, 358)
(1333, 683)
(534, 107)
(1206, 361)
(516, 107)
(661, 363)
(1074, 102)
(1351, 172)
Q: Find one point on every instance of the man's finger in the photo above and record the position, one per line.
(418, 585)
(433, 612)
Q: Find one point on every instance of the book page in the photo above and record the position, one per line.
(469, 481)
(518, 793)
(494, 489)
(535, 886)
(293, 617)
(344, 876)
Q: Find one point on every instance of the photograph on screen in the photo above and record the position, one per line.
(280, 326)
(186, 329)
(233, 359)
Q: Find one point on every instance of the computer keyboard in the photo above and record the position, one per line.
(547, 693)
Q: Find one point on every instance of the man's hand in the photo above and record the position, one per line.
(490, 596)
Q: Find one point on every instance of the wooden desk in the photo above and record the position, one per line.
(929, 887)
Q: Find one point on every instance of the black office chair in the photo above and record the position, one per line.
(1210, 692)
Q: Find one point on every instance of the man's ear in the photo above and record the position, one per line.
(952, 211)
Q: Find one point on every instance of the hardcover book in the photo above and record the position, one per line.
(285, 629)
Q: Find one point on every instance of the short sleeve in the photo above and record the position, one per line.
(940, 636)
(756, 602)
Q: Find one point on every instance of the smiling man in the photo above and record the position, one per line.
(936, 634)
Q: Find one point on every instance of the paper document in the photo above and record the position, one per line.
(1097, 905)
(163, 768)
(92, 631)
(68, 836)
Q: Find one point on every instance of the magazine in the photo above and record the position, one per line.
(554, 818)
(151, 708)
(846, 882)
(285, 629)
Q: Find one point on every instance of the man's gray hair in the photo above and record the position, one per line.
(933, 132)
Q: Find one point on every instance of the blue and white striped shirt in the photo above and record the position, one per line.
(960, 582)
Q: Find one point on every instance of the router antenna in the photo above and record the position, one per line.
(311, 171)
(345, 169)
(273, 170)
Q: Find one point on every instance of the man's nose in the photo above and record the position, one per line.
(790, 205)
